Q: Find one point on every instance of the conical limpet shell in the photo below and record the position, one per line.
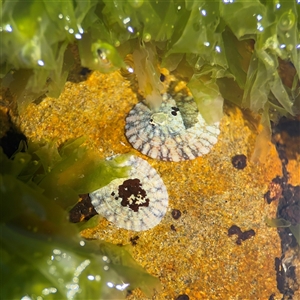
(171, 133)
(136, 203)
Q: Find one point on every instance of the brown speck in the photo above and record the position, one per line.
(173, 227)
(176, 214)
(241, 236)
(272, 296)
(234, 229)
(183, 297)
(247, 234)
(275, 190)
(239, 161)
(133, 240)
(85, 71)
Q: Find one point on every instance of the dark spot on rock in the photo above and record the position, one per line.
(272, 296)
(247, 234)
(113, 193)
(275, 190)
(133, 240)
(83, 210)
(280, 275)
(183, 297)
(286, 140)
(162, 77)
(292, 127)
(13, 137)
(234, 229)
(173, 227)
(85, 71)
(241, 236)
(176, 214)
(132, 194)
(239, 161)
(174, 113)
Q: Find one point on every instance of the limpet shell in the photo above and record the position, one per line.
(138, 202)
(175, 132)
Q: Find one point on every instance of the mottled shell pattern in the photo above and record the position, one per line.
(136, 203)
(175, 132)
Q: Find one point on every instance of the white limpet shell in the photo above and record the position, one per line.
(138, 202)
(175, 132)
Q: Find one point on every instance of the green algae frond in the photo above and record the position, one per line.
(282, 223)
(42, 254)
(236, 41)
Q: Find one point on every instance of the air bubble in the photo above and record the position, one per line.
(136, 3)
(287, 21)
(40, 62)
(8, 28)
(130, 29)
(147, 37)
(130, 69)
(126, 20)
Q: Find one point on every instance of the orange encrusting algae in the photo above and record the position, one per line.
(191, 255)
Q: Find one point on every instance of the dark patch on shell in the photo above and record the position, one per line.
(132, 194)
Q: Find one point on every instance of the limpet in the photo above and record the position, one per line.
(138, 202)
(175, 132)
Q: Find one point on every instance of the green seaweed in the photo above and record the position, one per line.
(208, 35)
(42, 254)
(280, 222)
